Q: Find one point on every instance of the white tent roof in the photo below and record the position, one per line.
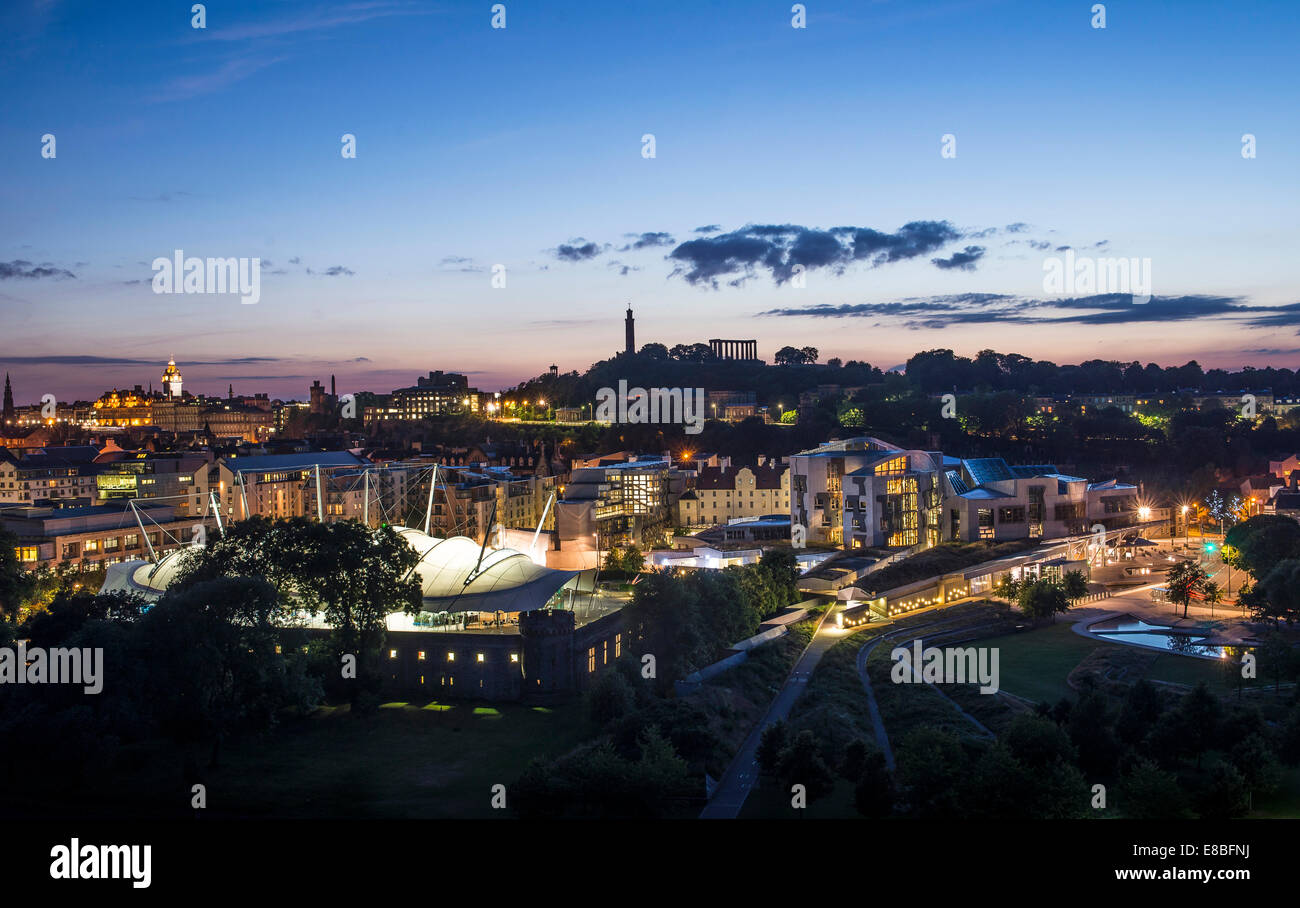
(452, 578)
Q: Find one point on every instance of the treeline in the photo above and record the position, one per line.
(688, 621)
(647, 757)
(1155, 756)
(943, 370)
(1267, 548)
(221, 653)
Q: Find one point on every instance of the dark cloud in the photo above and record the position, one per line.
(648, 241)
(577, 250)
(1099, 309)
(964, 260)
(23, 269)
(777, 249)
(708, 228)
(90, 360)
(333, 271)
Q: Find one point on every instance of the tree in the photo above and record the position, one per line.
(609, 699)
(1223, 795)
(801, 764)
(1183, 580)
(1212, 594)
(787, 356)
(633, 560)
(931, 766)
(1008, 588)
(1151, 793)
(774, 740)
(16, 584)
(1277, 596)
(213, 665)
(1075, 585)
(1260, 543)
(353, 575)
(1043, 599)
(875, 793)
(853, 760)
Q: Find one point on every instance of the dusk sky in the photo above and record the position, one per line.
(523, 147)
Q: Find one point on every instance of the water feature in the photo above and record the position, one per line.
(1134, 631)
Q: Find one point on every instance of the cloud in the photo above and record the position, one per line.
(162, 196)
(333, 271)
(23, 269)
(648, 241)
(316, 19)
(1100, 309)
(777, 249)
(577, 250)
(228, 73)
(708, 228)
(92, 360)
(459, 263)
(964, 260)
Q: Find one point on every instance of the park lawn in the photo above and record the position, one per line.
(1036, 663)
(1190, 671)
(406, 760)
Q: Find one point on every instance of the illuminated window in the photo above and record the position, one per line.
(591, 659)
(478, 657)
(451, 657)
(392, 654)
(420, 655)
(618, 645)
(514, 657)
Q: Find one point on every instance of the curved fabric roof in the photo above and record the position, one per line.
(451, 577)
(144, 577)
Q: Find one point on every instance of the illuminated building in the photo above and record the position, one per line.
(171, 380)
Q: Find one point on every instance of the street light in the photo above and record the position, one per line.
(1187, 535)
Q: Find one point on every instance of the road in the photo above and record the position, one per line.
(742, 773)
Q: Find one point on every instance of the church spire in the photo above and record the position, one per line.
(8, 400)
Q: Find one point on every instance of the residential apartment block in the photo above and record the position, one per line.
(864, 492)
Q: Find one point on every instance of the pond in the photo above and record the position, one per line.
(1136, 632)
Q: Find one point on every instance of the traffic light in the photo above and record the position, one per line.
(1209, 548)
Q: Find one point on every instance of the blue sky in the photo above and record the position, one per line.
(479, 146)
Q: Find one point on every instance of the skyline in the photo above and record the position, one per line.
(478, 146)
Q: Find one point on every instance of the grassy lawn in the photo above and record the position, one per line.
(1035, 663)
(407, 760)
